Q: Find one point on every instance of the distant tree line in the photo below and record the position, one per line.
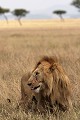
(19, 13)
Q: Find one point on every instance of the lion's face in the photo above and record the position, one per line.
(41, 78)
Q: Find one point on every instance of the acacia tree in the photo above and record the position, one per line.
(76, 3)
(3, 11)
(19, 13)
(60, 13)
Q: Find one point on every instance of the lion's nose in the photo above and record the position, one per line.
(29, 84)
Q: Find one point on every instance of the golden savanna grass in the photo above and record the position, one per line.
(22, 46)
(50, 24)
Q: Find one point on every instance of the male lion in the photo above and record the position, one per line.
(51, 85)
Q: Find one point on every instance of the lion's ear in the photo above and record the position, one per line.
(53, 67)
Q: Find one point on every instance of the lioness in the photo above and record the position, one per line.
(51, 85)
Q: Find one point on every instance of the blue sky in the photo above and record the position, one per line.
(44, 7)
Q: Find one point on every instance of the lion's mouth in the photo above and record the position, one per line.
(36, 89)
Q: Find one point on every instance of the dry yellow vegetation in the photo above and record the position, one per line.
(22, 46)
(50, 24)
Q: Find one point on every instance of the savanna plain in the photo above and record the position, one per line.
(22, 46)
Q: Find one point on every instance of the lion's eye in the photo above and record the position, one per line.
(37, 73)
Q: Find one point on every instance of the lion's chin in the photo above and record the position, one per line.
(37, 90)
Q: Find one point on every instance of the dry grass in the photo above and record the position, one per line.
(50, 24)
(20, 48)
